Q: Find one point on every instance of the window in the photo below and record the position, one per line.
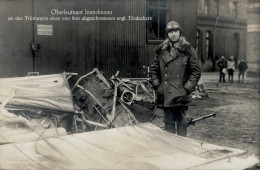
(209, 45)
(199, 43)
(156, 27)
(234, 9)
(216, 7)
(236, 46)
(206, 7)
(197, 40)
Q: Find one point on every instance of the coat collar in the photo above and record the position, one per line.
(169, 56)
(182, 44)
(171, 51)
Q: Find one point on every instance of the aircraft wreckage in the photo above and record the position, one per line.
(54, 122)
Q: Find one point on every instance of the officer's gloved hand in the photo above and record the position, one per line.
(159, 94)
(155, 83)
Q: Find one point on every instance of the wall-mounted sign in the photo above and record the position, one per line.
(44, 29)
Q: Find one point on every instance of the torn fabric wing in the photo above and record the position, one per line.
(47, 92)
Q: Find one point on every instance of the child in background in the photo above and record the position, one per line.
(231, 69)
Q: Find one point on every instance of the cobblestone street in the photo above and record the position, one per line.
(237, 108)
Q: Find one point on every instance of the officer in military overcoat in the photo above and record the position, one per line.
(174, 74)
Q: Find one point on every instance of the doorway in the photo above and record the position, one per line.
(236, 47)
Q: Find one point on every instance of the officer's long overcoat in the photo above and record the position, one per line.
(175, 72)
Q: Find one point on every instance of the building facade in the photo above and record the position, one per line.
(221, 31)
(253, 37)
(121, 41)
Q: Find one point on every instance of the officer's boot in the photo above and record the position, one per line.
(182, 130)
(170, 127)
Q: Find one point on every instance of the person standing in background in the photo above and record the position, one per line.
(222, 64)
(231, 69)
(242, 67)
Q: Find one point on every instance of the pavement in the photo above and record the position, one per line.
(250, 87)
(213, 77)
